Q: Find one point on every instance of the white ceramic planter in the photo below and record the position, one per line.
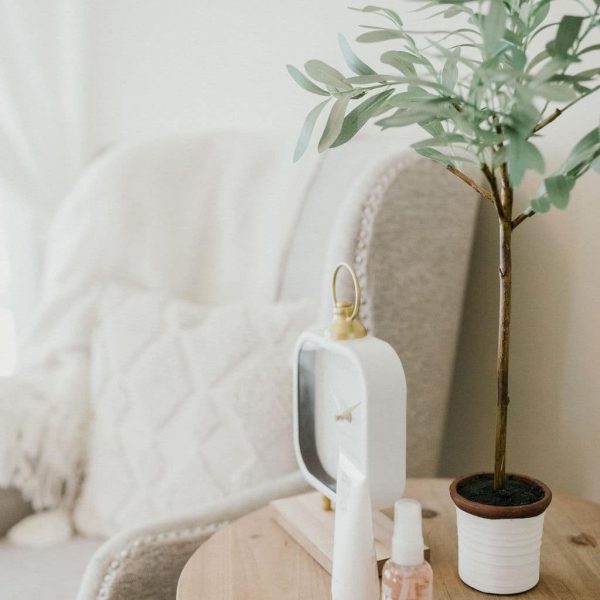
(499, 556)
(499, 547)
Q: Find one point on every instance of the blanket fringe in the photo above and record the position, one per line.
(42, 443)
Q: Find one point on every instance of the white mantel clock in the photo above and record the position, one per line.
(350, 397)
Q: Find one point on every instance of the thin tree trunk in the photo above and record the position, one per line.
(505, 278)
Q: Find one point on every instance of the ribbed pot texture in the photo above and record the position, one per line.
(499, 546)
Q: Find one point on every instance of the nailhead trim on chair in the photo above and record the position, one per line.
(365, 232)
(130, 549)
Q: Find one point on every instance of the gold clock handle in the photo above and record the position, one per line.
(346, 325)
(357, 292)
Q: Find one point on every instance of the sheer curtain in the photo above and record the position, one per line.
(43, 141)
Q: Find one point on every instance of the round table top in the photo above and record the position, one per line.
(253, 558)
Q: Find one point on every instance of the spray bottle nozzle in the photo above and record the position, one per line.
(407, 542)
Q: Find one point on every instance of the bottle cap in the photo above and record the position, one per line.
(407, 542)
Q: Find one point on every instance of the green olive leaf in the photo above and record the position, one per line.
(450, 71)
(494, 25)
(305, 82)
(558, 189)
(307, 129)
(567, 33)
(355, 64)
(358, 117)
(333, 127)
(322, 72)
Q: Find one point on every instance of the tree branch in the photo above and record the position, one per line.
(473, 184)
(491, 177)
(524, 215)
(549, 119)
(507, 192)
(560, 111)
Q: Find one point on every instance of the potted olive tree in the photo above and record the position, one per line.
(483, 91)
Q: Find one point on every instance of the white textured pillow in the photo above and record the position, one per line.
(190, 404)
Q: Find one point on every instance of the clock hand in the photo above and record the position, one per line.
(346, 415)
(338, 404)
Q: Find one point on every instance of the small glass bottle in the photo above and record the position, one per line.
(407, 576)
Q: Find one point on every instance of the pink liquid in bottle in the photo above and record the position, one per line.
(406, 582)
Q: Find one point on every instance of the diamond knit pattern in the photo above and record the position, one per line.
(190, 404)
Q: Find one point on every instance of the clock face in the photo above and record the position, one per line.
(330, 410)
(339, 408)
(350, 398)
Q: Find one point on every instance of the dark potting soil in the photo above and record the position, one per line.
(516, 492)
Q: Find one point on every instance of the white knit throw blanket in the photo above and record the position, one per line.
(207, 219)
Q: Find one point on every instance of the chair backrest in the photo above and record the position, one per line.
(203, 216)
(406, 225)
(403, 222)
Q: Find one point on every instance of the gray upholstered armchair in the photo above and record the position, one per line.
(406, 227)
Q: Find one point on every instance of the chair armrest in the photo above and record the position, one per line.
(146, 562)
(12, 509)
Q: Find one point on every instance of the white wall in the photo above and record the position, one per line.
(205, 64)
(161, 65)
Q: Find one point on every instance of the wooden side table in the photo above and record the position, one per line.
(254, 559)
